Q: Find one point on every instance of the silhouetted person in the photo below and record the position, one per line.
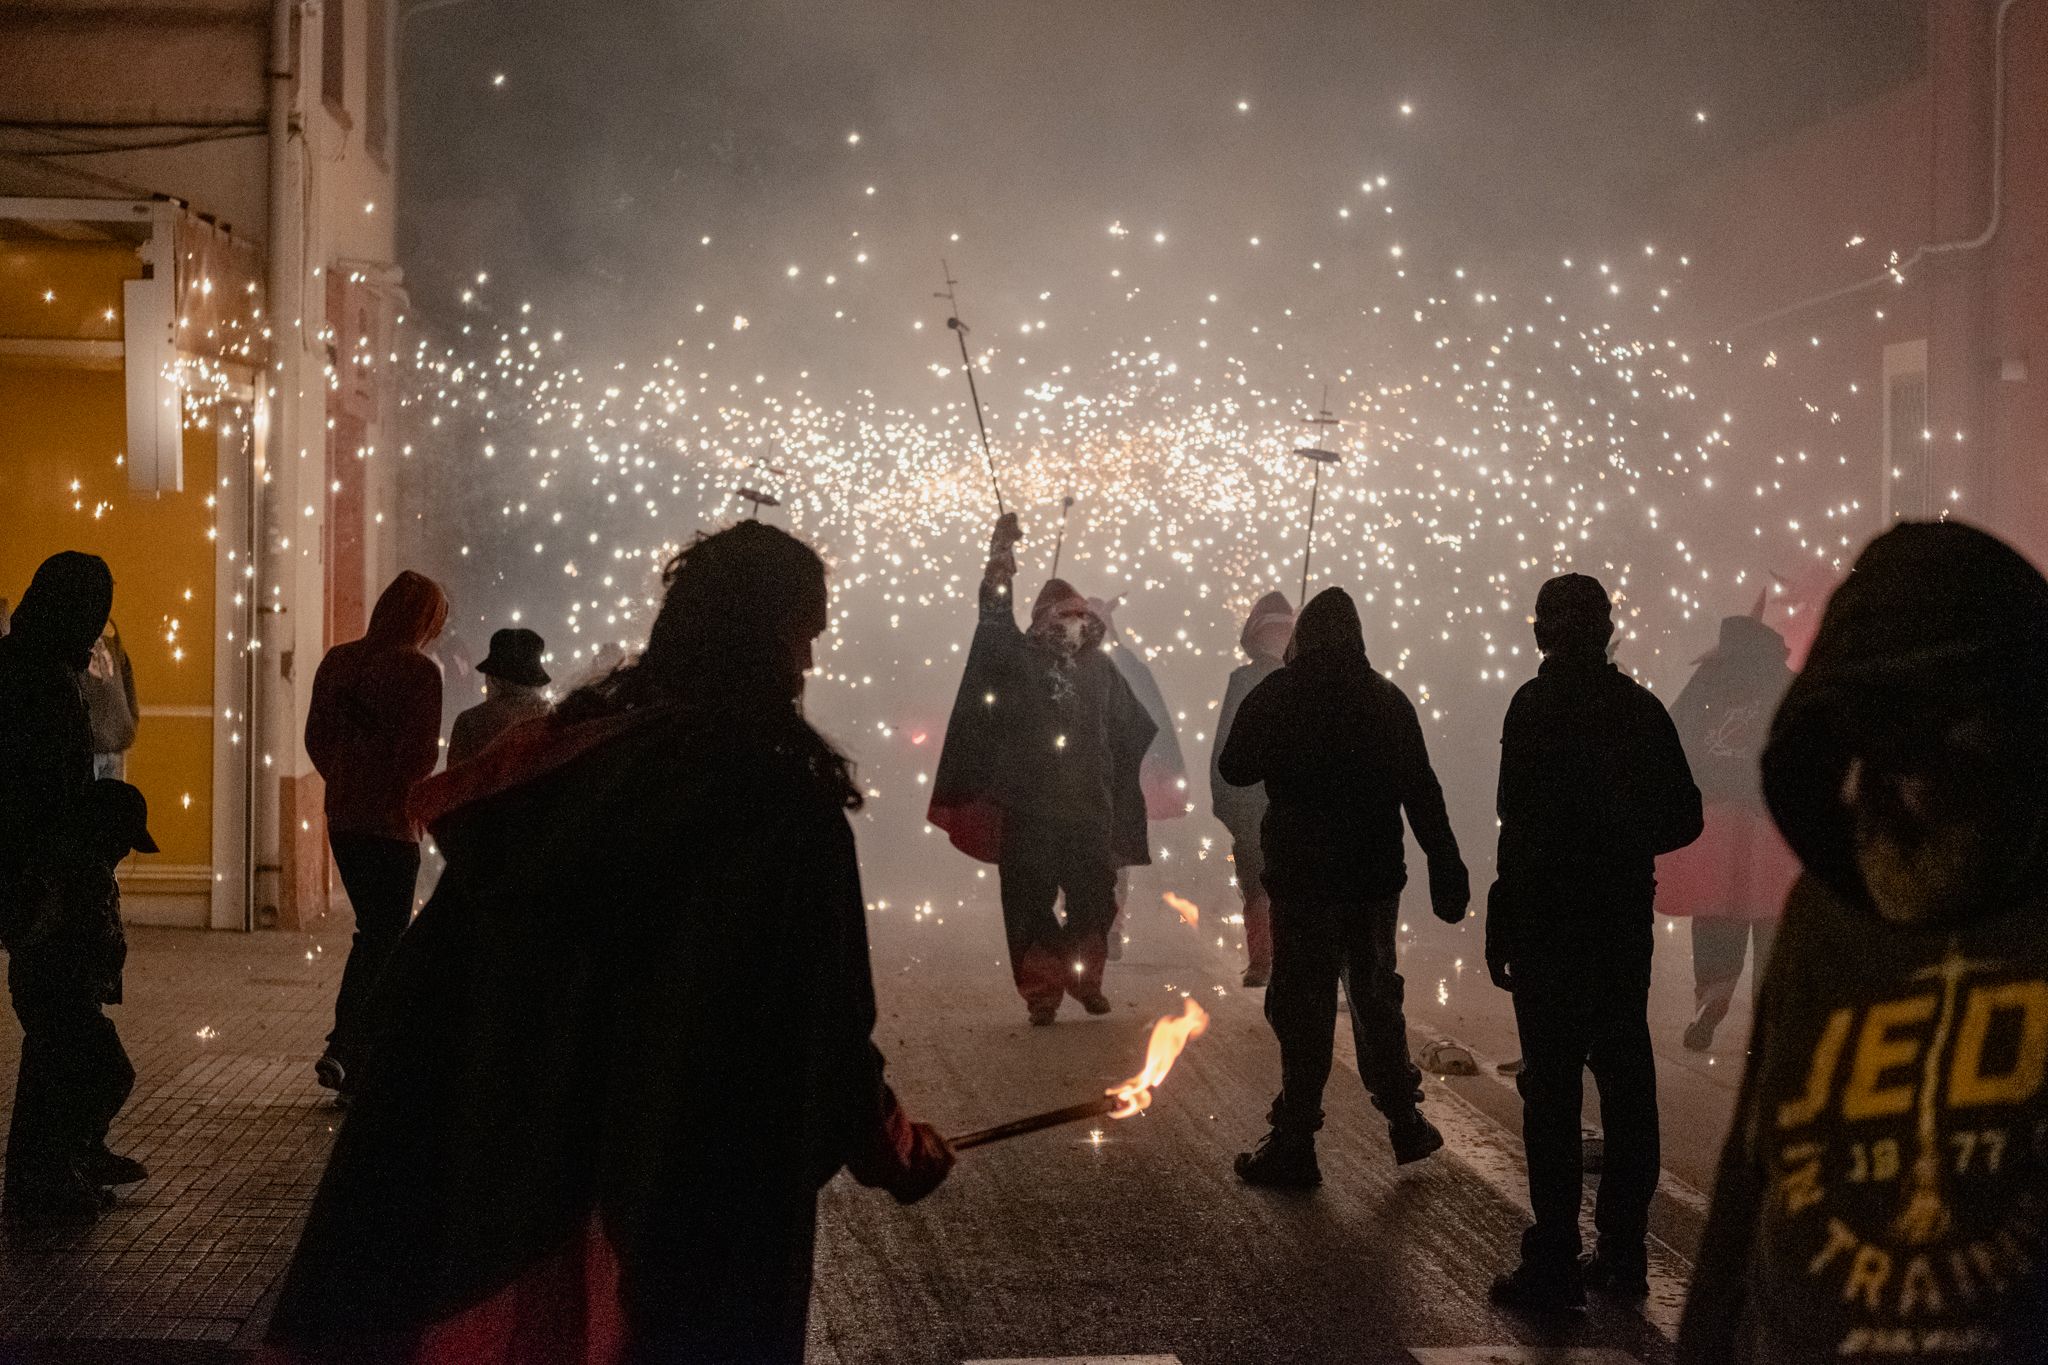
(513, 681)
(110, 704)
(65, 962)
(373, 729)
(1039, 775)
(651, 930)
(1341, 754)
(1593, 786)
(1241, 809)
(1881, 1193)
(1733, 880)
(45, 767)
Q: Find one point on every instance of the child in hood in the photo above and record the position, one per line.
(1882, 1189)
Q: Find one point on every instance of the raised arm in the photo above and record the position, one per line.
(999, 578)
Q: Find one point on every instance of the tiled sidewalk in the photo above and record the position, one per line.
(223, 1029)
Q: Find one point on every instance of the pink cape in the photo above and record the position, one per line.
(1740, 868)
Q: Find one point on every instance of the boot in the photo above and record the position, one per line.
(102, 1167)
(331, 1074)
(1095, 1002)
(1282, 1161)
(1699, 1034)
(1256, 977)
(1414, 1137)
(1043, 1015)
(1536, 1288)
(1620, 1276)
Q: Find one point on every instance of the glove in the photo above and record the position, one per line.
(907, 1159)
(1006, 534)
(1450, 894)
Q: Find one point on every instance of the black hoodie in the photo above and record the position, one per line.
(1342, 756)
(1884, 1190)
(45, 736)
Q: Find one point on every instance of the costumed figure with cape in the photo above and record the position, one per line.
(1040, 776)
(1163, 774)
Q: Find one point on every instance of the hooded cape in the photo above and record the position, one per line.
(1000, 721)
(629, 1032)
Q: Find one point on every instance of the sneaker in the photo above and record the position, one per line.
(1095, 1002)
(1041, 1015)
(331, 1074)
(1256, 977)
(1414, 1137)
(1699, 1034)
(1531, 1288)
(103, 1167)
(1617, 1276)
(1282, 1162)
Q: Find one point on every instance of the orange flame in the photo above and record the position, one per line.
(1185, 908)
(1169, 1036)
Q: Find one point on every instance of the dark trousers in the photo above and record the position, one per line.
(1575, 1012)
(1718, 947)
(74, 1077)
(1048, 958)
(379, 875)
(1316, 945)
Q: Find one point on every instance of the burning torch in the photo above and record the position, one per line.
(1169, 1036)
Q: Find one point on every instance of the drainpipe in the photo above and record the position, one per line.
(283, 285)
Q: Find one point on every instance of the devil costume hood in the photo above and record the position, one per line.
(1040, 736)
(1881, 1190)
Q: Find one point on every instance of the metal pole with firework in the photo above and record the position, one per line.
(1315, 454)
(1169, 1036)
(1059, 542)
(967, 364)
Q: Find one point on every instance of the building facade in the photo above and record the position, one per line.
(196, 287)
(1881, 280)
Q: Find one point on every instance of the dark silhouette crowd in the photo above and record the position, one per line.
(1870, 835)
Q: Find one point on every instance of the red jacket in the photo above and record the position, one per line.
(374, 726)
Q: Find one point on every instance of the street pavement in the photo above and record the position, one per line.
(1109, 1241)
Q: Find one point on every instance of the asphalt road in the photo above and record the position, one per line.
(1134, 1241)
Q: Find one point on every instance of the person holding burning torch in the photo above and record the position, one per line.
(1341, 753)
(1040, 776)
(628, 1040)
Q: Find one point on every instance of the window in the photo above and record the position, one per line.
(377, 80)
(334, 56)
(1908, 448)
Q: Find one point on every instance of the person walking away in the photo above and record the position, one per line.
(1040, 775)
(1162, 773)
(1241, 809)
(652, 927)
(45, 765)
(373, 729)
(1881, 1190)
(1733, 880)
(64, 966)
(513, 679)
(1341, 754)
(110, 705)
(1593, 787)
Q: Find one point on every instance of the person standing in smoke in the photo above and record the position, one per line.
(1733, 880)
(1163, 774)
(1593, 787)
(373, 729)
(1241, 809)
(1881, 1193)
(1341, 754)
(1040, 776)
(629, 1038)
(513, 683)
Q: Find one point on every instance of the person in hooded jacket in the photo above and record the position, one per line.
(1341, 754)
(373, 729)
(1884, 1187)
(1267, 629)
(1731, 881)
(652, 917)
(1594, 785)
(1040, 775)
(45, 769)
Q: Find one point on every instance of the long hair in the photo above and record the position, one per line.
(735, 605)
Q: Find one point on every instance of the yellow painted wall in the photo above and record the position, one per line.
(62, 429)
